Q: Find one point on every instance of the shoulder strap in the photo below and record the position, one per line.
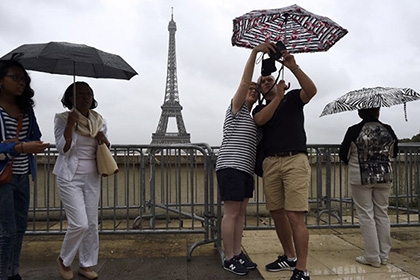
(19, 126)
(18, 129)
(2, 127)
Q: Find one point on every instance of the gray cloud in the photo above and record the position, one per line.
(381, 48)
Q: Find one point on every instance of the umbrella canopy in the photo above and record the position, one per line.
(299, 30)
(71, 59)
(366, 98)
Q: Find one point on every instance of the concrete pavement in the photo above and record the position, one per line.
(163, 256)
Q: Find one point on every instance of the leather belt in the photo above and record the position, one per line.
(287, 154)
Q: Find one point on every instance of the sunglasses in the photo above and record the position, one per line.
(18, 78)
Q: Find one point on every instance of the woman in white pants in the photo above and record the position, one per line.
(77, 134)
(368, 148)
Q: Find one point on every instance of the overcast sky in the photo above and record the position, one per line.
(382, 48)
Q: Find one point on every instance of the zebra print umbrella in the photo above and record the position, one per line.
(299, 30)
(366, 98)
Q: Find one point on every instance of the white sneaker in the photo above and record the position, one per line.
(363, 260)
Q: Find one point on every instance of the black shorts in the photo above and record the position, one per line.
(234, 184)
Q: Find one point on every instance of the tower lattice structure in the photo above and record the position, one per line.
(171, 107)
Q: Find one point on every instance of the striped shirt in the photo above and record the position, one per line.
(239, 144)
(20, 162)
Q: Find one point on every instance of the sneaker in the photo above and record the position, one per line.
(384, 261)
(363, 260)
(14, 277)
(299, 275)
(245, 261)
(234, 266)
(281, 264)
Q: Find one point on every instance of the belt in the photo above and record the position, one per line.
(287, 154)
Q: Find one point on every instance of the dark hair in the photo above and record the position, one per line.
(24, 101)
(371, 113)
(65, 100)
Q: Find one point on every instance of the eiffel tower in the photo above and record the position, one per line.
(171, 107)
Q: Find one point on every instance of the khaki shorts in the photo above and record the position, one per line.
(286, 182)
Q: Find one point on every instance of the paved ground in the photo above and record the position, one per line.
(332, 255)
(163, 256)
(128, 257)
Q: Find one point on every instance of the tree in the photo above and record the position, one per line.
(415, 138)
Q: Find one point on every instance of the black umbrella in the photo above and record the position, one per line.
(71, 59)
(299, 30)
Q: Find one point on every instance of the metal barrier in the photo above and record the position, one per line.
(330, 201)
(172, 189)
(158, 189)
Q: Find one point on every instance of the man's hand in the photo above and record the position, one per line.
(265, 48)
(288, 60)
(282, 85)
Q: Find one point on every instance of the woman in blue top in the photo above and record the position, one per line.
(16, 115)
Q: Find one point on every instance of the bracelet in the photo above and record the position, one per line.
(21, 147)
(295, 69)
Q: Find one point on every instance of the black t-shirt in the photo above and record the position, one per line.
(285, 131)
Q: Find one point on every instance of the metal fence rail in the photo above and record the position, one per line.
(158, 189)
(330, 201)
(173, 189)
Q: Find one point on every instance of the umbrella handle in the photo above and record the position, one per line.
(282, 71)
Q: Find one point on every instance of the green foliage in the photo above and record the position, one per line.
(415, 138)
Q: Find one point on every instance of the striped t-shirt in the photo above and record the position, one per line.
(20, 162)
(239, 142)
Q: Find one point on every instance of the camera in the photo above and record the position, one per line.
(279, 47)
(268, 65)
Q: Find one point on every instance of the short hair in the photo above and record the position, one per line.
(65, 100)
(370, 113)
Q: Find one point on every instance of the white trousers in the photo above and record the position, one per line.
(372, 209)
(80, 198)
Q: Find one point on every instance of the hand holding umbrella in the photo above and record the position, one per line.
(292, 28)
(299, 29)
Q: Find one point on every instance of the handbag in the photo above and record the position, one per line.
(105, 161)
(258, 169)
(7, 172)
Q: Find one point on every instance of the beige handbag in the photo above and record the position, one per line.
(105, 161)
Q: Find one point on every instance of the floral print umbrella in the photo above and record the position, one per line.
(299, 30)
(366, 98)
